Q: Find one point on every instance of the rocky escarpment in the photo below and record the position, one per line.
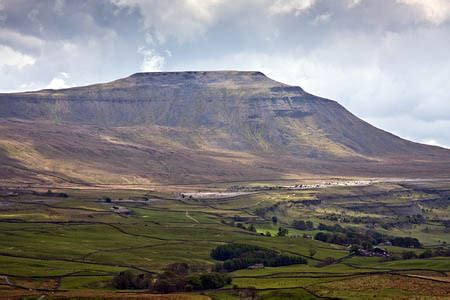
(204, 125)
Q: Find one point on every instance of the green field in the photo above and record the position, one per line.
(79, 243)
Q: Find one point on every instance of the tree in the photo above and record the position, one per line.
(178, 268)
(162, 286)
(268, 233)
(128, 280)
(123, 280)
(252, 228)
(299, 224)
(406, 242)
(409, 255)
(426, 254)
(322, 236)
(309, 225)
(354, 249)
(312, 252)
(274, 220)
(282, 231)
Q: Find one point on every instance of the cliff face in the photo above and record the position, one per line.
(198, 126)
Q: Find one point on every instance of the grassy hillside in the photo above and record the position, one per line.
(73, 245)
(191, 127)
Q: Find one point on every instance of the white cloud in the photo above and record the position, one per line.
(12, 58)
(151, 60)
(182, 19)
(353, 3)
(434, 11)
(290, 6)
(432, 142)
(59, 82)
(428, 132)
(321, 19)
(15, 39)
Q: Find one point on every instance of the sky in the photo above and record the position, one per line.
(387, 61)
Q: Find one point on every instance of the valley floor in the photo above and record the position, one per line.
(71, 243)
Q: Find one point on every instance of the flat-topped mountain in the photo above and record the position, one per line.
(187, 127)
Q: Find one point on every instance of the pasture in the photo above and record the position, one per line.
(73, 246)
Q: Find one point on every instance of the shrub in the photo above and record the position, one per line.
(127, 280)
(426, 254)
(409, 255)
(163, 286)
(282, 231)
(299, 224)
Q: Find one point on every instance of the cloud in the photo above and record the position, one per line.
(151, 60)
(321, 19)
(353, 3)
(59, 82)
(433, 142)
(12, 58)
(427, 132)
(434, 11)
(180, 19)
(17, 40)
(290, 6)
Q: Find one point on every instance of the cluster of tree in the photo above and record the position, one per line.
(241, 256)
(426, 254)
(326, 262)
(169, 282)
(366, 240)
(403, 222)
(302, 225)
(233, 250)
(250, 227)
(349, 219)
(399, 222)
(128, 280)
(282, 231)
(332, 228)
(50, 193)
(348, 236)
(262, 211)
(405, 242)
(416, 219)
(176, 278)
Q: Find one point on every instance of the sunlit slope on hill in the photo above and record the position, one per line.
(187, 127)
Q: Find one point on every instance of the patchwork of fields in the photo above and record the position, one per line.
(71, 246)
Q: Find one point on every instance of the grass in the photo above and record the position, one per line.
(19, 266)
(82, 243)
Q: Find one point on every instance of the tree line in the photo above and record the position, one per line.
(177, 277)
(351, 236)
(240, 256)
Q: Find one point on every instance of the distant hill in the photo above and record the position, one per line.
(192, 127)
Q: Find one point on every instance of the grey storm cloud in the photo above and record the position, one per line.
(386, 61)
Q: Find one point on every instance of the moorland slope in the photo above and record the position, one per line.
(192, 127)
